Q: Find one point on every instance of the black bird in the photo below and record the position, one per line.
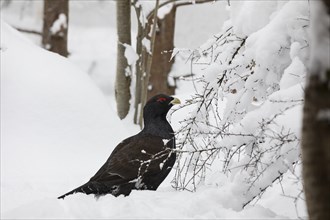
(139, 162)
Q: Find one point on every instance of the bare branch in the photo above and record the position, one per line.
(178, 3)
(28, 31)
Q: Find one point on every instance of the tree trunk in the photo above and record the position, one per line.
(316, 137)
(123, 73)
(147, 58)
(161, 64)
(316, 147)
(55, 26)
(140, 63)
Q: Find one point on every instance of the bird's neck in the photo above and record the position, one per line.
(159, 127)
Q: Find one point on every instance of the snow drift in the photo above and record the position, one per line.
(56, 126)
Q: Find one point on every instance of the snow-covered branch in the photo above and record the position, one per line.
(245, 115)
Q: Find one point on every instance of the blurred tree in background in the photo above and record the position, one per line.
(123, 72)
(154, 46)
(55, 26)
(316, 120)
(161, 58)
(154, 49)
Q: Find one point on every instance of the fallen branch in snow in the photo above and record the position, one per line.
(28, 31)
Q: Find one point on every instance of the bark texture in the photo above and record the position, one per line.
(140, 63)
(316, 148)
(316, 142)
(123, 72)
(161, 64)
(55, 26)
(147, 59)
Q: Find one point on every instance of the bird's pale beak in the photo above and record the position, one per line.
(175, 101)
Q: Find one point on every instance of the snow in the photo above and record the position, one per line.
(194, 22)
(59, 123)
(51, 112)
(91, 55)
(60, 23)
(163, 11)
(147, 44)
(247, 16)
(320, 51)
(293, 74)
(165, 141)
(130, 54)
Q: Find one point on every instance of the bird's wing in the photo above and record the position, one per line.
(132, 158)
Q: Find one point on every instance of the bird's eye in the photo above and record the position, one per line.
(161, 99)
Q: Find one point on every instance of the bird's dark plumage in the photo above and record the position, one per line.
(139, 162)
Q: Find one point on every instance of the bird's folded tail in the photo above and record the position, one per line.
(87, 188)
(100, 189)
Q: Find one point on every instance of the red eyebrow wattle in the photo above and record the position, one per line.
(161, 99)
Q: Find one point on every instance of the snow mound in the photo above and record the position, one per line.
(56, 126)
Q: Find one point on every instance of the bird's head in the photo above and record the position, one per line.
(158, 106)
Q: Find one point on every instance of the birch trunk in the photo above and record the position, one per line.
(145, 76)
(140, 63)
(123, 72)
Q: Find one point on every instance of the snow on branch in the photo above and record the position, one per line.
(245, 116)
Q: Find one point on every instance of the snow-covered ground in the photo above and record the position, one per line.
(59, 125)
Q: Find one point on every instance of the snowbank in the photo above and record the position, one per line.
(56, 126)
